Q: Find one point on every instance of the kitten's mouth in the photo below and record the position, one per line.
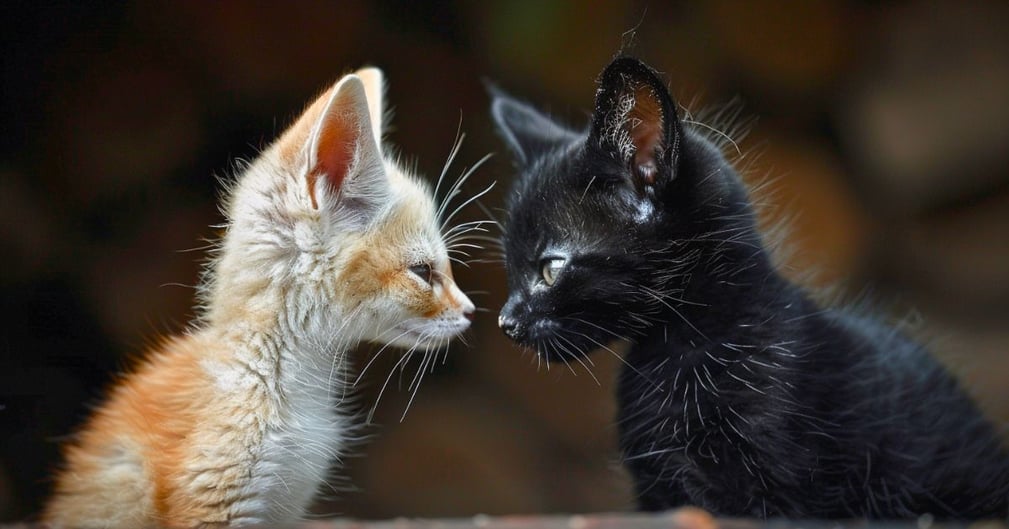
(550, 342)
(558, 352)
(428, 333)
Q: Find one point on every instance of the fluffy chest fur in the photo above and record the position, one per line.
(209, 430)
(291, 432)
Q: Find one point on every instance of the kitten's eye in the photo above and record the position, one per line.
(551, 269)
(422, 271)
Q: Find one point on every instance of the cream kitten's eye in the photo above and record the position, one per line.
(422, 271)
(551, 269)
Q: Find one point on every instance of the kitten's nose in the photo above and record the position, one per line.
(465, 305)
(508, 325)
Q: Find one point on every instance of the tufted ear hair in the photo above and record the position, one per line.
(528, 132)
(334, 147)
(635, 120)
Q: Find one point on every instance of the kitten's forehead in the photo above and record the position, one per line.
(414, 212)
(554, 220)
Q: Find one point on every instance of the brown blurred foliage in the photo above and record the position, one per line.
(880, 136)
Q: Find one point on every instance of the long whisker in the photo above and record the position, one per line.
(456, 145)
(376, 355)
(469, 225)
(471, 199)
(540, 353)
(463, 235)
(458, 247)
(399, 365)
(463, 241)
(456, 188)
(459, 241)
(574, 354)
(423, 363)
(669, 306)
(614, 353)
(339, 361)
(415, 384)
(562, 356)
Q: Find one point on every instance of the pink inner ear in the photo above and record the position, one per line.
(645, 122)
(334, 154)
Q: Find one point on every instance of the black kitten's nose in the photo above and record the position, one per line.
(508, 325)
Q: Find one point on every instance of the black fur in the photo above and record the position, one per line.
(741, 394)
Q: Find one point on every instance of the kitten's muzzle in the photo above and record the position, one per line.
(507, 320)
(514, 321)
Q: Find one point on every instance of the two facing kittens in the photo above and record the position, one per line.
(741, 395)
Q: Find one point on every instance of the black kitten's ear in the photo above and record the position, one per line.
(527, 131)
(635, 119)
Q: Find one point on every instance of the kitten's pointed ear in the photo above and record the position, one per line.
(635, 119)
(527, 131)
(343, 153)
(333, 147)
(374, 89)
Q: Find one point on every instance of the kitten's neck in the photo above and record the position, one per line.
(280, 330)
(731, 285)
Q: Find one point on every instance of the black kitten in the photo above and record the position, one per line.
(741, 394)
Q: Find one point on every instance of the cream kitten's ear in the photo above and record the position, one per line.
(344, 170)
(374, 87)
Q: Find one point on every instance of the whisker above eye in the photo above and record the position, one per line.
(453, 152)
(455, 247)
(486, 238)
(471, 199)
(467, 235)
(497, 260)
(456, 187)
(471, 225)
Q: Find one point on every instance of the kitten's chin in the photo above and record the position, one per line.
(556, 355)
(422, 334)
(555, 349)
(553, 342)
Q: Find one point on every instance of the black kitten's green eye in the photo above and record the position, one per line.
(551, 269)
(422, 271)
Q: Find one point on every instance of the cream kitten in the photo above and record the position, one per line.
(236, 422)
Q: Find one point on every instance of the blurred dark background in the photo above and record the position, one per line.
(882, 131)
